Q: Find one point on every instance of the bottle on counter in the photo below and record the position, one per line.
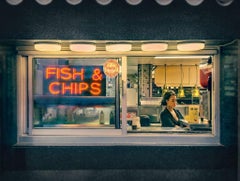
(101, 117)
(112, 121)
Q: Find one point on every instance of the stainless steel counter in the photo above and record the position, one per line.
(156, 128)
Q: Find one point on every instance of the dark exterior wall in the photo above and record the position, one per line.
(185, 163)
(118, 21)
(8, 103)
(238, 111)
(229, 93)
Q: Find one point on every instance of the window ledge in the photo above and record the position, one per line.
(137, 139)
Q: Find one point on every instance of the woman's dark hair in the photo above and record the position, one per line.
(167, 96)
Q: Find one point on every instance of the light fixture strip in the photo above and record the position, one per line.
(180, 56)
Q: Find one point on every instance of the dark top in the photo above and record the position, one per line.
(168, 120)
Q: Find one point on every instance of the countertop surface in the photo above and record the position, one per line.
(156, 128)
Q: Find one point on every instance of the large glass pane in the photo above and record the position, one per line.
(189, 78)
(73, 93)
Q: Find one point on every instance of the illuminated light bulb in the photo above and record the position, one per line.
(190, 46)
(134, 2)
(44, 2)
(194, 2)
(181, 92)
(14, 2)
(164, 90)
(164, 2)
(154, 46)
(195, 92)
(83, 47)
(118, 47)
(74, 2)
(47, 46)
(224, 2)
(104, 2)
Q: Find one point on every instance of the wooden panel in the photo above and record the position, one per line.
(173, 75)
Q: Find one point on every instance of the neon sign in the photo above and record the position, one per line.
(74, 80)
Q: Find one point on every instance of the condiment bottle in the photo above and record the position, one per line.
(101, 117)
(111, 118)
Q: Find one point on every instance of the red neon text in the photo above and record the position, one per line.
(64, 73)
(74, 88)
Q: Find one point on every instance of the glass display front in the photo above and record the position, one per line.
(73, 93)
(149, 80)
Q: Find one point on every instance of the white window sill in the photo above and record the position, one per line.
(135, 139)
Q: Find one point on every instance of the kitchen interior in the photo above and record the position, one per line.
(151, 76)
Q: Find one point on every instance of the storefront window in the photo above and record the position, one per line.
(190, 79)
(73, 99)
(73, 93)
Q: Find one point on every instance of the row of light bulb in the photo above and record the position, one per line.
(119, 47)
(131, 2)
(181, 92)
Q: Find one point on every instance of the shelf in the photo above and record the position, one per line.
(73, 100)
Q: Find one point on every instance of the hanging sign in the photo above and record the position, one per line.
(111, 68)
(74, 80)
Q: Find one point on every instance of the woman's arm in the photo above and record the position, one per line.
(179, 115)
(181, 121)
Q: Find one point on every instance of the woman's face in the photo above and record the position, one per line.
(172, 101)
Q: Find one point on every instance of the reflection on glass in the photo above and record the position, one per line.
(196, 108)
(72, 92)
(61, 115)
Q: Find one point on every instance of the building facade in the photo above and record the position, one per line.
(29, 22)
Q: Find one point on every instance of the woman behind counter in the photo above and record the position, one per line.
(171, 117)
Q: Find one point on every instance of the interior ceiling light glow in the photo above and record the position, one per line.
(47, 46)
(164, 2)
(181, 56)
(104, 2)
(118, 47)
(154, 46)
(74, 2)
(134, 2)
(224, 2)
(194, 2)
(44, 2)
(190, 46)
(14, 2)
(82, 47)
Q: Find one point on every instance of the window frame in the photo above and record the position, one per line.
(103, 136)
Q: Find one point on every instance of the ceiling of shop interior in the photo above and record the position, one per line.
(134, 61)
(162, 61)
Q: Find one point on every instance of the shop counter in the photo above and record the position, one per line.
(156, 128)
